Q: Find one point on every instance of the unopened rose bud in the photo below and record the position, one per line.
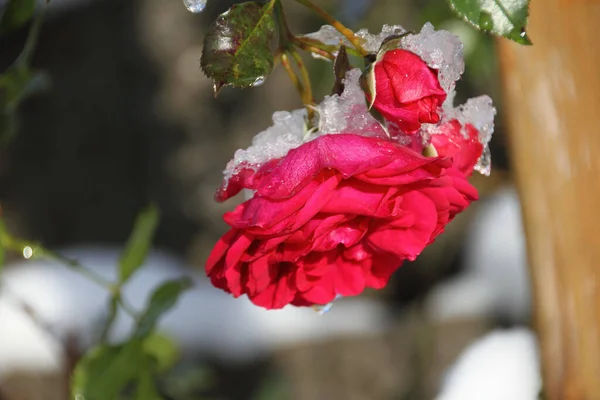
(404, 89)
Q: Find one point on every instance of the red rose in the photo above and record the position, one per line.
(333, 216)
(408, 92)
(463, 147)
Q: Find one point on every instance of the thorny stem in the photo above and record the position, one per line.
(347, 33)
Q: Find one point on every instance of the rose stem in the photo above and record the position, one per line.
(286, 47)
(292, 74)
(308, 96)
(313, 49)
(347, 33)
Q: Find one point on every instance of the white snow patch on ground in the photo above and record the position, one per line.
(503, 365)
(205, 321)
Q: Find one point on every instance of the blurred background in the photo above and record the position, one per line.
(128, 118)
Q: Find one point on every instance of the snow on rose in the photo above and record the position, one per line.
(337, 208)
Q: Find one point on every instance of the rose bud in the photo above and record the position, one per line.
(407, 92)
(462, 145)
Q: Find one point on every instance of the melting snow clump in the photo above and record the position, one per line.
(441, 50)
(348, 112)
(373, 42)
(345, 113)
(479, 112)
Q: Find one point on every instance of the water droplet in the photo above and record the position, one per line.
(27, 252)
(217, 86)
(195, 6)
(258, 81)
(484, 163)
(523, 33)
(322, 309)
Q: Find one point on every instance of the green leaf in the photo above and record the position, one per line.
(139, 243)
(105, 371)
(16, 13)
(146, 388)
(162, 300)
(163, 350)
(237, 47)
(506, 18)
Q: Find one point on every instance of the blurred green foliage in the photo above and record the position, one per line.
(107, 371)
(19, 81)
(15, 14)
(139, 243)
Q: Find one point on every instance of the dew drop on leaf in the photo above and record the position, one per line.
(195, 6)
(27, 252)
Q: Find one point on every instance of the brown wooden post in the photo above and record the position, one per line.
(552, 105)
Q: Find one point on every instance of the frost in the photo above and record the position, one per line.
(484, 163)
(441, 50)
(328, 35)
(286, 133)
(345, 113)
(479, 112)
